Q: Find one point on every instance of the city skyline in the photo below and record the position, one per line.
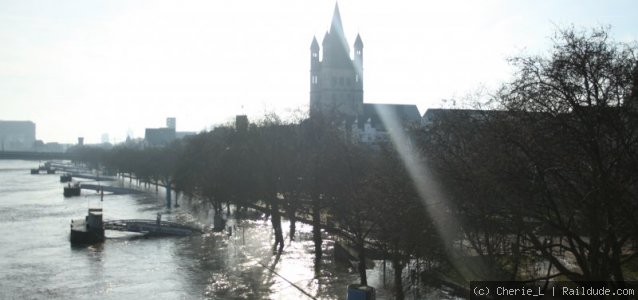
(79, 68)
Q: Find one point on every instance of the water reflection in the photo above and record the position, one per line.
(37, 261)
(243, 265)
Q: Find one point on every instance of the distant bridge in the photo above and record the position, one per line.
(30, 155)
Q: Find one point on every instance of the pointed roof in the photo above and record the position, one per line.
(336, 25)
(358, 43)
(336, 35)
(325, 39)
(336, 51)
(314, 45)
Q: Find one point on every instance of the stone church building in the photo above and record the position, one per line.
(336, 87)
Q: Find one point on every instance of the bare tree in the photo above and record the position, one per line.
(582, 150)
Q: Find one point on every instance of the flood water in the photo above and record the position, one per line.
(38, 262)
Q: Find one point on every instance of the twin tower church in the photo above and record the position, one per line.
(336, 83)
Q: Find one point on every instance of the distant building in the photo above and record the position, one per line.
(17, 135)
(406, 115)
(171, 123)
(80, 141)
(105, 138)
(183, 134)
(241, 123)
(372, 125)
(436, 116)
(336, 88)
(53, 147)
(159, 137)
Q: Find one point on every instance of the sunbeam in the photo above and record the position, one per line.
(433, 198)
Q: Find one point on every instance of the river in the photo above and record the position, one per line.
(38, 262)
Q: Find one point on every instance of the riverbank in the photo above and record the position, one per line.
(297, 254)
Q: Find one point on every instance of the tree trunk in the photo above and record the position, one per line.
(292, 210)
(516, 255)
(316, 228)
(619, 278)
(361, 267)
(398, 278)
(276, 224)
(218, 207)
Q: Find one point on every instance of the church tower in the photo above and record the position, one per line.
(336, 80)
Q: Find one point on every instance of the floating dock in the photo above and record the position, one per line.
(47, 167)
(72, 189)
(66, 178)
(110, 189)
(93, 177)
(150, 227)
(90, 230)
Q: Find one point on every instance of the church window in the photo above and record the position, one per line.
(356, 78)
(314, 54)
(314, 79)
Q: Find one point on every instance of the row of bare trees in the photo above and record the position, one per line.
(312, 170)
(550, 175)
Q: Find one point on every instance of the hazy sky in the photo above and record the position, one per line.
(84, 68)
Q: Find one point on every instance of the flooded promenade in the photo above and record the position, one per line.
(38, 262)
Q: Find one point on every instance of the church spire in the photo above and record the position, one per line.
(358, 54)
(358, 43)
(314, 46)
(335, 40)
(336, 26)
